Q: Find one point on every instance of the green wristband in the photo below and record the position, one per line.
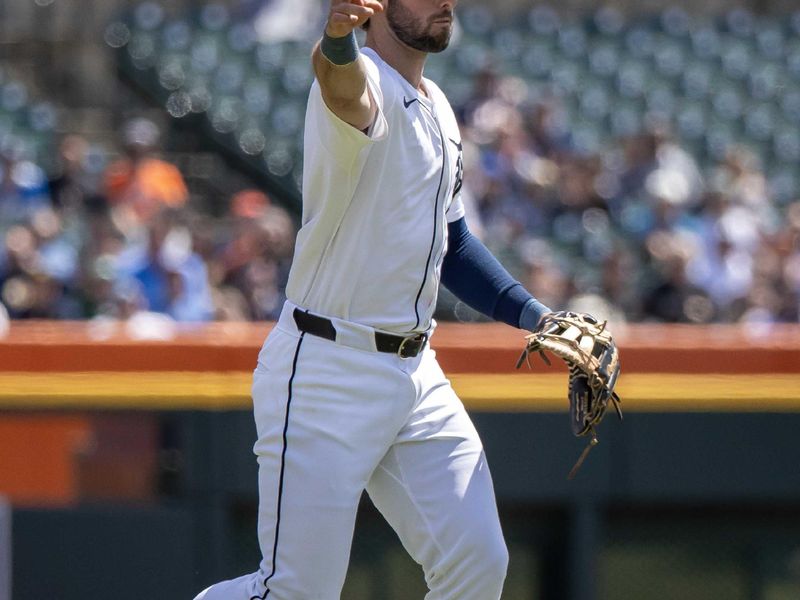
(340, 50)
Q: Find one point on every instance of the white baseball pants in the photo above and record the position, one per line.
(333, 420)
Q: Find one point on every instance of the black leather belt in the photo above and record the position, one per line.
(403, 346)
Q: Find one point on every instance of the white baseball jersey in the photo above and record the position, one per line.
(376, 205)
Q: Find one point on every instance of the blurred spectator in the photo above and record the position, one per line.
(139, 185)
(740, 179)
(677, 166)
(673, 298)
(252, 267)
(37, 270)
(171, 278)
(71, 185)
(547, 129)
(620, 283)
(640, 160)
(23, 188)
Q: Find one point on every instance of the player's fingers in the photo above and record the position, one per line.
(340, 25)
(341, 18)
(346, 17)
(346, 8)
(373, 4)
(376, 5)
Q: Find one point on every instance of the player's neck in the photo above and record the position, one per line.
(408, 62)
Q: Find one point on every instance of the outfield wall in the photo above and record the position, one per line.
(129, 461)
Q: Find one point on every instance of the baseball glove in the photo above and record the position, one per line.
(587, 347)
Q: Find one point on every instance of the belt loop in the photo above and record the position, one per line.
(354, 335)
(315, 325)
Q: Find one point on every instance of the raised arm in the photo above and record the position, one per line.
(338, 66)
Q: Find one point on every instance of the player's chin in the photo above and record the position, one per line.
(437, 41)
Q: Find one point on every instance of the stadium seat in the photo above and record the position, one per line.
(625, 120)
(204, 53)
(728, 102)
(508, 44)
(691, 120)
(567, 77)
(543, 21)
(764, 81)
(784, 183)
(640, 42)
(740, 22)
(608, 22)
(793, 62)
(698, 81)
(718, 139)
(538, 60)
(759, 122)
(669, 58)
(660, 99)
(790, 105)
(172, 72)
(176, 36)
(770, 41)
(214, 17)
(595, 101)
(229, 77)
(706, 43)
(477, 20)
(632, 79)
(675, 22)
(241, 38)
(142, 49)
(737, 59)
(787, 146)
(572, 42)
(257, 96)
(604, 59)
(148, 16)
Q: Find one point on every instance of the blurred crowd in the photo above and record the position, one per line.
(636, 233)
(122, 241)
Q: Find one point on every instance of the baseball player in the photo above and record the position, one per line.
(347, 392)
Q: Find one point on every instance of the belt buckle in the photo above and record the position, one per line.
(418, 341)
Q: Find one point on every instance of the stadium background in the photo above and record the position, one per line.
(638, 160)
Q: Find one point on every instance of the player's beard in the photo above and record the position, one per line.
(413, 33)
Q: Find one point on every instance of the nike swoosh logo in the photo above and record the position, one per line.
(408, 103)
(457, 144)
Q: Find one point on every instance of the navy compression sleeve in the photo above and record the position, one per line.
(477, 278)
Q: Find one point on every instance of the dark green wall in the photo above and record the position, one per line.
(664, 498)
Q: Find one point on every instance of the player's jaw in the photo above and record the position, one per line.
(426, 34)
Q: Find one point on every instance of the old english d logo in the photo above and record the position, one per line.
(459, 167)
